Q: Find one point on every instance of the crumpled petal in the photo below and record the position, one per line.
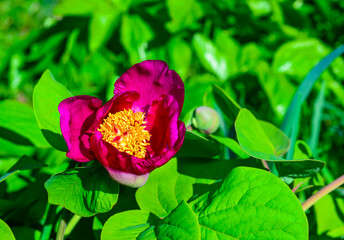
(151, 79)
(115, 104)
(77, 116)
(162, 118)
(128, 179)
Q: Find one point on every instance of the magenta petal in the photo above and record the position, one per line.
(161, 121)
(151, 79)
(77, 116)
(115, 104)
(148, 165)
(128, 179)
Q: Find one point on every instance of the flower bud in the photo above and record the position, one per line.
(206, 120)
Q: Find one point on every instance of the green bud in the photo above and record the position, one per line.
(206, 120)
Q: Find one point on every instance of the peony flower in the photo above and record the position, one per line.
(136, 131)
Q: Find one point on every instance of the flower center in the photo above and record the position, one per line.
(125, 130)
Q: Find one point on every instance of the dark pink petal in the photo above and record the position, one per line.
(161, 121)
(149, 164)
(117, 103)
(151, 79)
(77, 116)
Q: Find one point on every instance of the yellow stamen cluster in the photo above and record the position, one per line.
(125, 130)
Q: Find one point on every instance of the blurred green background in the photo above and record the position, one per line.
(258, 51)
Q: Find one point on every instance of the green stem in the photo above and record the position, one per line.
(325, 190)
(62, 226)
(71, 224)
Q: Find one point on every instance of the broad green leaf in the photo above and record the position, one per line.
(83, 191)
(135, 34)
(256, 137)
(289, 58)
(228, 106)
(126, 225)
(196, 145)
(230, 48)
(280, 141)
(259, 7)
(139, 224)
(251, 204)
(165, 189)
(232, 145)
(101, 26)
(24, 163)
(47, 95)
(76, 7)
(18, 124)
(250, 55)
(180, 54)
(184, 14)
(277, 87)
(211, 58)
(180, 224)
(5, 231)
(328, 214)
(252, 138)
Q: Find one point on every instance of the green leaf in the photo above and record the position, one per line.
(252, 138)
(139, 224)
(134, 36)
(184, 14)
(76, 7)
(47, 95)
(180, 224)
(279, 140)
(24, 163)
(277, 87)
(259, 7)
(18, 124)
(328, 213)
(101, 27)
(195, 145)
(165, 189)
(5, 231)
(256, 137)
(228, 106)
(126, 225)
(251, 204)
(180, 54)
(232, 145)
(230, 48)
(83, 191)
(211, 58)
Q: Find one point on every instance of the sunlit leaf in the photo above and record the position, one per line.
(251, 204)
(47, 95)
(84, 191)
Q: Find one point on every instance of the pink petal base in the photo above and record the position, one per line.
(128, 179)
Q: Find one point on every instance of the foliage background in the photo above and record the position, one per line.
(258, 51)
